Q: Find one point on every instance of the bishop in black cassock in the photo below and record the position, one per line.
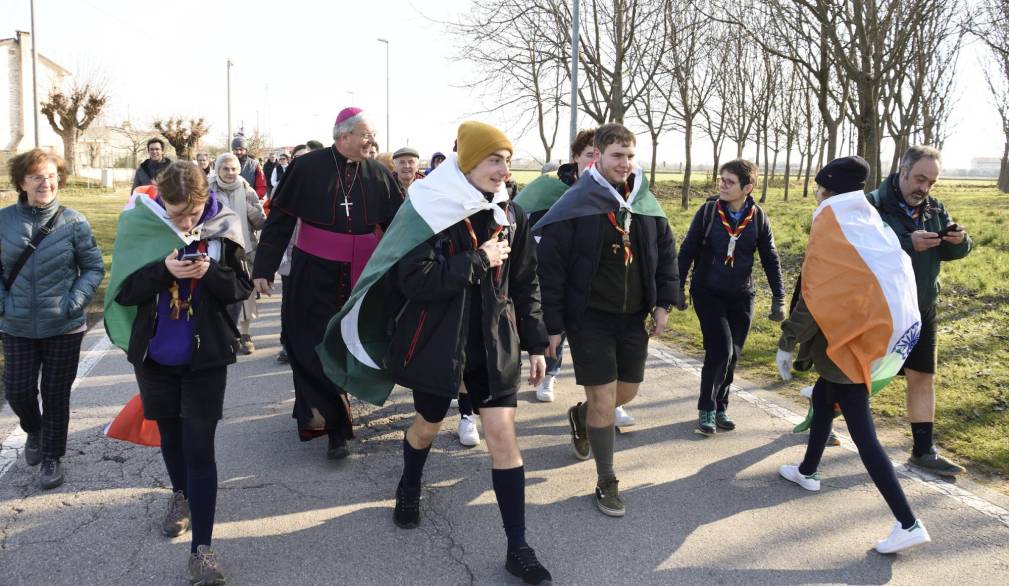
(340, 201)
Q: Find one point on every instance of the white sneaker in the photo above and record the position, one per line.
(545, 392)
(453, 404)
(901, 539)
(468, 434)
(622, 418)
(790, 472)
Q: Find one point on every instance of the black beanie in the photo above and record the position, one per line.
(844, 174)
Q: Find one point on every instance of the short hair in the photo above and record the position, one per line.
(745, 170)
(26, 163)
(916, 153)
(297, 149)
(314, 145)
(227, 156)
(347, 126)
(608, 134)
(156, 140)
(183, 182)
(582, 141)
(284, 156)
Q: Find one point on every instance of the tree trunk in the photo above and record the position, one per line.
(1003, 176)
(809, 173)
(655, 156)
(714, 167)
(69, 135)
(774, 164)
(763, 189)
(688, 137)
(788, 169)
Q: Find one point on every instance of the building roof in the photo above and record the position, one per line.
(48, 62)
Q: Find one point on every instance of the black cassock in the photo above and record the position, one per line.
(326, 192)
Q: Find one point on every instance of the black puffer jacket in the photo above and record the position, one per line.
(436, 279)
(569, 254)
(214, 337)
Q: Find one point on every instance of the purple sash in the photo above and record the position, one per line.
(353, 248)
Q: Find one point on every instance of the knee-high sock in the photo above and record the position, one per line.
(201, 472)
(510, 490)
(601, 440)
(171, 452)
(413, 463)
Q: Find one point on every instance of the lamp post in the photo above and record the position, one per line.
(388, 132)
(230, 128)
(351, 94)
(574, 71)
(35, 80)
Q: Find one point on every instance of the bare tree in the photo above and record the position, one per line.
(766, 111)
(184, 136)
(992, 26)
(136, 138)
(655, 113)
(71, 112)
(811, 137)
(736, 92)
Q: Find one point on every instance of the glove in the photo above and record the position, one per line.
(784, 362)
(681, 301)
(777, 309)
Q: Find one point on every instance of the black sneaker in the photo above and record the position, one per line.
(723, 421)
(932, 461)
(407, 512)
(337, 449)
(33, 449)
(522, 563)
(579, 433)
(282, 357)
(51, 473)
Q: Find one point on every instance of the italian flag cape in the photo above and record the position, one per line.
(354, 347)
(144, 235)
(859, 286)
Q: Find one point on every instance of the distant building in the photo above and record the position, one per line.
(986, 165)
(17, 118)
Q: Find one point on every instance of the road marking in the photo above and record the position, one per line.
(12, 445)
(936, 483)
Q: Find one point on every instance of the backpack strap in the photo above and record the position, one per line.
(709, 220)
(32, 247)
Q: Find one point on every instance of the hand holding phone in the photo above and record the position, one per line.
(951, 228)
(194, 256)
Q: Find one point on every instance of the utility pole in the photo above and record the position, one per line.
(35, 79)
(230, 128)
(574, 72)
(388, 132)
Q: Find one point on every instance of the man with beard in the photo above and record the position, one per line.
(251, 171)
(344, 201)
(156, 163)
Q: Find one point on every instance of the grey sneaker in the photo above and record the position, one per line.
(33, 449)
(723, 421)
(203, 568)
(936, 464)
(51, 473)
(176, 520)
(608, 499)
(705, 423)
(579, 433)
(245, 345)
(833, 440)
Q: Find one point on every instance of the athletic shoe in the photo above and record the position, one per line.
(579, 434)
(705, 423)
(608, 498)
(723, 421)
(453, 404)
(282, 357)
(901, 539)
(176, 521)
(545, 391)
(245, 345)
(621, 418)
(932, 462)
(203, 568)
(469, 436)
(51, 473)
(790, 472)
(406, 515)
(833, 440)
(337, 449)
(33, 449)
(522, 563)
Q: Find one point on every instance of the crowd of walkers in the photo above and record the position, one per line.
(473, 277)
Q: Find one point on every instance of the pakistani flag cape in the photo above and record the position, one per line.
(592, 194)
(859, 287)
(146, 234)
(541, 194)
(354, 347)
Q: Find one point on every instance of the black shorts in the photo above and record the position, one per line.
(434, 407)
(609, 347)
(923, 356)
(178, 391)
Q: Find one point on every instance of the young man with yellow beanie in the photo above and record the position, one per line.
(469, 302)
(607, 261)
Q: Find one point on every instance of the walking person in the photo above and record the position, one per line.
(727, 233)
(156, 163)
(607, 261)
(250, 169)
(857, 319)
(51, 268)
(177, 266)
(235, 192)
(204, 163)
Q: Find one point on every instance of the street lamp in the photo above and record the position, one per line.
(351, 94)
(230, 134)
(35, 79)
(388, 132)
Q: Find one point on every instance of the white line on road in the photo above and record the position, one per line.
(11, 447)
(964, 497)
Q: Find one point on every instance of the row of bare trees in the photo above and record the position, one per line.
(797, 79)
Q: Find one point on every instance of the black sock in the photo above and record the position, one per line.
(465, 404)
(201, 478)
(413, 464)
(510, 490)
(922, 434)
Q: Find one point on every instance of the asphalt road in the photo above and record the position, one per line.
(711, 511)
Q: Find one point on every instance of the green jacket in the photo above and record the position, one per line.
(800, 329)
(887, 200)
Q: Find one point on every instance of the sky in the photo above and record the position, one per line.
(298, 63)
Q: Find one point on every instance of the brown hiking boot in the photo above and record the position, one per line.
(203, 568)
(176, 521)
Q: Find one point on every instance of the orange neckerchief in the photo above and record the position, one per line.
(476, 243)
(625, 235)
(730, 259)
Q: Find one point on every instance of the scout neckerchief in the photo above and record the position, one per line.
(624, 230)
(476, 243)
(176, 306)
(730, 259)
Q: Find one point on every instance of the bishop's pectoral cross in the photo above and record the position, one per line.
(346, 206)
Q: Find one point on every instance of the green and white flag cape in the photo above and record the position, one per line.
(541, 193)
(146, 234)
(354, 347)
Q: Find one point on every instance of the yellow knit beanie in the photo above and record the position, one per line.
(476, 141)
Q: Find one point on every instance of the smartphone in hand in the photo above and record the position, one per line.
(194, 256)
(951, 228)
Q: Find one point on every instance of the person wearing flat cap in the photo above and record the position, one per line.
(854, 279)
(406, 162)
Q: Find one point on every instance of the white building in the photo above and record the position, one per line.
(986, 165)
(17, 122)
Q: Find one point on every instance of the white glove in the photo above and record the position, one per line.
(806, 392)
(784, 361)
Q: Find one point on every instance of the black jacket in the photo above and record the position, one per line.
(707, 254)
(215, 334)
(431, 328)
(569, 254)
